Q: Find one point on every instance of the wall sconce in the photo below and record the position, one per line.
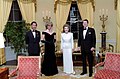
(103, 17)
(46, 16)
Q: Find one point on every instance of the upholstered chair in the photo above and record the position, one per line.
(29, 67)
(110, 68)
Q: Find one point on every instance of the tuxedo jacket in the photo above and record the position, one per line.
(89, 41)
(33, 43)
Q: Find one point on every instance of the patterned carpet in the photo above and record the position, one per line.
(61, 74)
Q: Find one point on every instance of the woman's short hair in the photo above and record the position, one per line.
(66, 25)
(48, 23)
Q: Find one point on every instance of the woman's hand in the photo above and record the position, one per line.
(72, 50)
(61, 50)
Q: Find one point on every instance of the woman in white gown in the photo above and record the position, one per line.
(67, 48)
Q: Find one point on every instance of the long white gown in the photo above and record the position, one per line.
(67, 46)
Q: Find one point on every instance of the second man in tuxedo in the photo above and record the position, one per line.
(86, 43)
(33, 40)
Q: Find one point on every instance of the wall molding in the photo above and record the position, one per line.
(113, 41)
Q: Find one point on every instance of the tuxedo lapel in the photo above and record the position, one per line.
(31, 34)
(87, 33)
(36, 35)
(82, 34)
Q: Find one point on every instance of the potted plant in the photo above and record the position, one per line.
(15, 32)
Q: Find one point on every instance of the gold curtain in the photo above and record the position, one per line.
(5, 7)
(118, 26)
(2, 56)
(86, 10)
(62, 12)
(27, 8)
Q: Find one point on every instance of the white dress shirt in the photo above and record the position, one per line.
(33, 33)
(84, 32)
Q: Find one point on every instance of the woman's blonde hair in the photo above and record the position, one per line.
(48, 23)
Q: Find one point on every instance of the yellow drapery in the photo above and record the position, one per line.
(5, 7)
(2, 56)
(62, 7)
(86, 10)
(118, 26)
(27, 9)
(62, 12)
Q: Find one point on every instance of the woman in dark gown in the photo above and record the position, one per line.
(49, 66)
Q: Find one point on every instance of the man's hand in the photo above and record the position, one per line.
(79, 49)
(92, 49)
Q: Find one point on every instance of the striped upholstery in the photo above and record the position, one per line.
(111, 69)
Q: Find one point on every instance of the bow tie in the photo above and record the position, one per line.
(33, 30)
(84, 28)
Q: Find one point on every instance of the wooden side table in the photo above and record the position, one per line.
(4, 72)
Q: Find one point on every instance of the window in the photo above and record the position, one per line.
(15, 14)
(74, 20)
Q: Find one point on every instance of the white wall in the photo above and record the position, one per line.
(43, 5)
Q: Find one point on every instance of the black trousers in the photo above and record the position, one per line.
(87, 56)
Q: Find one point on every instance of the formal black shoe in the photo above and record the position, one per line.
(90, 75)
(83, 73)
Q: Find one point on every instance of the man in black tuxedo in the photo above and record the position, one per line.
(86, 43)
(33, 39)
